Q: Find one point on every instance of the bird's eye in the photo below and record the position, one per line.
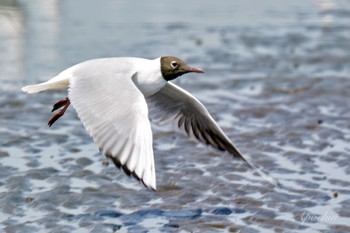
(174, 64)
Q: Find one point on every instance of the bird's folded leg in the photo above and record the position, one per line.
(62, 103)
(59, 104)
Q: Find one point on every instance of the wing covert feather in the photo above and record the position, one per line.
(115, 114)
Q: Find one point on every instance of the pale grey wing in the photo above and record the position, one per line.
(190, 116)
(115, 114)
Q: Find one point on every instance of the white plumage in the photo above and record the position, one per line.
(109, 95)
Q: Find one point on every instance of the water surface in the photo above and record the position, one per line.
(277, 81)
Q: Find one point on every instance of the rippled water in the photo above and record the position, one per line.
(277, 81)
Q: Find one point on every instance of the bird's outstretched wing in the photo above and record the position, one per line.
(115, 113)
(173, 103)
(190, 116)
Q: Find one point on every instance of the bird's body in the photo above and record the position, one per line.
(148, 80)
(112, 97)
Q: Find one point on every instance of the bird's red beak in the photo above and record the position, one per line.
(195, 70)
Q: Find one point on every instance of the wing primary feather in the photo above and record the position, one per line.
(195, 130)
(132, 160)
(200, 134)
(128, 172)
(189, 115)
(181, 121)
(214, 140)
(105, 137)
(124, 151)
(187, 125)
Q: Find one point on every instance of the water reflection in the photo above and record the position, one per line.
(11, 39)
(326, 8)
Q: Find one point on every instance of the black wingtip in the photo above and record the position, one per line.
(126, 170)
(262, 174)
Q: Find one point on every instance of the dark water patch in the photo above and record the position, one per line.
(339, 228)
(3, 154)
(133, 220)
(307, 184)
(145, 214)
(83, 173)
(305, 204)
(41, 174)
(107, 227)
(109, 214)
(72, 217)
(12, 203)
(33, 164)
(14, 140)
(279, 197)
(345, 211)
(272, 223)
(315, 195)
(183, 214)
(20, 227)
(222, 211)
(342, 183)
(241, 201)
(15, 182)
(171, 226)
(266, 213)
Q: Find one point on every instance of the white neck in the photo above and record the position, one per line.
(149, 78)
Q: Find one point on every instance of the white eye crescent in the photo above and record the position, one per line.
(174, 64)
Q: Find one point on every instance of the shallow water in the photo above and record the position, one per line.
(277, 81)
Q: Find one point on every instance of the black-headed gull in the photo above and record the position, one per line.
(110, 96)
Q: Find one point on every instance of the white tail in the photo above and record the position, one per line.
(35, 88)
(61, 81)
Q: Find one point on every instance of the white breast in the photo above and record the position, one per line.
(149, 78)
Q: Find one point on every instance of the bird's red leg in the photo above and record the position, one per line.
(59, 104)
(62, 103)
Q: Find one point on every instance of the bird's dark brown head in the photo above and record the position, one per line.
(173, 67)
